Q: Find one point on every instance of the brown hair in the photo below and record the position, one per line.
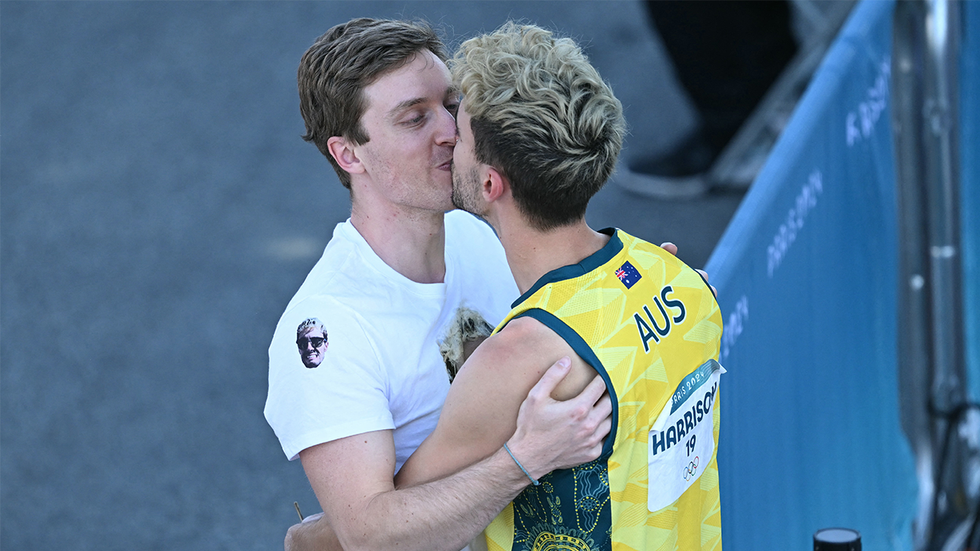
(336, 68)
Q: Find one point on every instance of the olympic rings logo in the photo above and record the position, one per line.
(691, 470)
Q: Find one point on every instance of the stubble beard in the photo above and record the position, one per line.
(464, 192)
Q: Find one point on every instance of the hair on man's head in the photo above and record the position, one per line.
(542, 115)
(335, 70)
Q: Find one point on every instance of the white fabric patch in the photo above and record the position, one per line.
(681, 442)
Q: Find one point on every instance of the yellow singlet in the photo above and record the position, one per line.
(651, 327)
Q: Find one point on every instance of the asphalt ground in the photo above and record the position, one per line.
(157, 211)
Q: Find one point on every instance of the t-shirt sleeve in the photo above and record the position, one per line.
(320, 394)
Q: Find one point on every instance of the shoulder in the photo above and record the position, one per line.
(348, 348)
(524, 332)
(349, 276)
(510, 353)
(327, 274)
(502, 370)
(335, 311)
(649, 255)
(640, 247)
(519, 354)
(322, 306)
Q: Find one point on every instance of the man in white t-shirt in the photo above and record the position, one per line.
(377, 100)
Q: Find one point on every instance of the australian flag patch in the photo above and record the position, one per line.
(628, 274)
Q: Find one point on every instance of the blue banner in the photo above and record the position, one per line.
(970, 195)
(806, 273)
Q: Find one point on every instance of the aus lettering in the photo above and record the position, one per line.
(657, 325)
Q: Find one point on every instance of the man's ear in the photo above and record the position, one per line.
(343, 152)
(495, 185)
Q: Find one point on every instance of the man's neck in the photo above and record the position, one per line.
(413, 243)
(532, 253)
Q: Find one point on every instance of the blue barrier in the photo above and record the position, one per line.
(806, 272)
(970, 195)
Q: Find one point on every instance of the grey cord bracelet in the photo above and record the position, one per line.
(535, 482)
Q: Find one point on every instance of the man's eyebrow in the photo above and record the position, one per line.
(409, 103)
(404, 106)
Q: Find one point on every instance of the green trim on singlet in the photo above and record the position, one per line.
(580, 493)
(584, 351)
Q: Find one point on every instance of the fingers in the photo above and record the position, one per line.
(601, 419)
(596, 420)
(312, 518)
(604, 428)
(602, 431)
(704, 275)
(549, 381)
(592, 393)
(603, 408)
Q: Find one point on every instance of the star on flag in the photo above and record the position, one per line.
(628, 274)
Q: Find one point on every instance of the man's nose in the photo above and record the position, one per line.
(447, 132)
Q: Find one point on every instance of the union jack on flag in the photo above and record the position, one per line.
(628, 274)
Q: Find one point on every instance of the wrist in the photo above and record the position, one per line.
(517, 461)
(526, 461)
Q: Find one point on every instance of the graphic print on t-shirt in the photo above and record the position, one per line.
(311, 340)
(464, 334)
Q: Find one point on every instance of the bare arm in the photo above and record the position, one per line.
(482, 420)
(353, 478)
(481, 410)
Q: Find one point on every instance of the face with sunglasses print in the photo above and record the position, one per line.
(311, 339)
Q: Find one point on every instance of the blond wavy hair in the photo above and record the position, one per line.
(542, 115)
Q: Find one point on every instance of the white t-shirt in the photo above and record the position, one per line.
(379, 366)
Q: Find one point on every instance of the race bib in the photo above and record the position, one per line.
(682, 439)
